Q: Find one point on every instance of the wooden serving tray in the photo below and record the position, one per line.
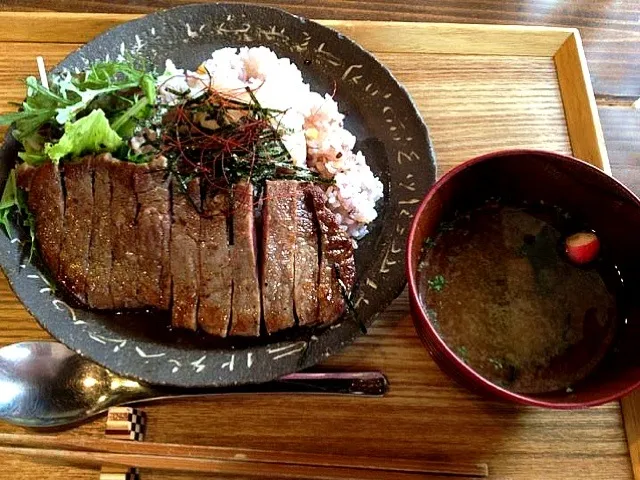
(480, 88)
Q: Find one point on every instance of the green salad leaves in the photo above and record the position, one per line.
(89, 112)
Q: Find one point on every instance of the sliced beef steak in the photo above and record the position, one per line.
(101, 246)
(305, 293)
(124, 206)
(184, 250)
(336, 261)
(278, 250)
(120, 235)
(245, 308)
(46, 202)
(153, 232)
(214, 309)
(74, 250)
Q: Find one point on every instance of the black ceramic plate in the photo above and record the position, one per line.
(390, 133)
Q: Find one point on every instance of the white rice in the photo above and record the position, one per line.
(313, 126)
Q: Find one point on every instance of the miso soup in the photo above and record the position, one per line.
(503, 295)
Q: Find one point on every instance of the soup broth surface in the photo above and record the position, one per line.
(502, 294)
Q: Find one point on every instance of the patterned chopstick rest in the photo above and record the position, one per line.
(124, 423)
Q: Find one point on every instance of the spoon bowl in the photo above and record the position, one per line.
(44, 384)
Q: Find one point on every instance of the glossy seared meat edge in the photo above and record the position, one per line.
(120, 235)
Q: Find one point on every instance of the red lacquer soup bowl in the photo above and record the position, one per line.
(577, 187)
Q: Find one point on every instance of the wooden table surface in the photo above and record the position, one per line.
(611, 35)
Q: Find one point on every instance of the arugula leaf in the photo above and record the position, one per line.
(42, 96)
(69, 112)
(148, 86)
(30, 125)
(8, 202)
(137, 157)
(90, 134)
(26, 122)
(109, 73)
(34, 159)
(34, 150)
(39, 108)
(9, 118)
(131, 112)
(14, 201)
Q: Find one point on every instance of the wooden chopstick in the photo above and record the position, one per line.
(229, 461)
(222, 467)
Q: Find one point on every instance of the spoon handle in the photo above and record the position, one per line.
(371, 384)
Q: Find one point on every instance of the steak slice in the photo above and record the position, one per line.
(185, 239)
(279, 242)
(100, 250)
(78, 211)
(307, 255)
(214, 309)
(336, 258)
(153, 232)
(245, 308)
(124, 206)
(46, 203)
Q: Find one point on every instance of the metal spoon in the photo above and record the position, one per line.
(44, 384)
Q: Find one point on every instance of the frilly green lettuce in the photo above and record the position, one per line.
(90, 134)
